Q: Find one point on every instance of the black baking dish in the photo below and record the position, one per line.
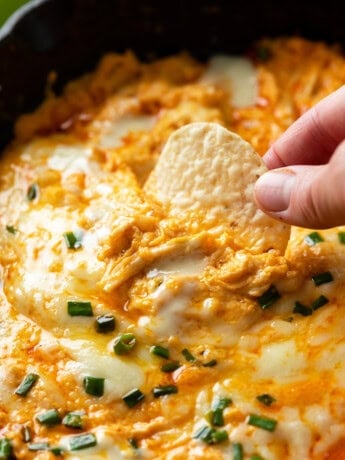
(69, 36)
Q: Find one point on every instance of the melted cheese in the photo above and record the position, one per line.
(120, 376)
(173, 284)
(236, 75)
(114, 132)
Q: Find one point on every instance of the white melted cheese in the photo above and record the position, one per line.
(70, 160)
(115, 131)
(106, 449)
(186, 266)
(237, 75)
(168, 302)
(91, 360)
(281, 362)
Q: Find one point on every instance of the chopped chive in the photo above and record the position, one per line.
(266, 399)
(215, 416)
(256, 457)
(133, 397)
(341, 237)
(211, 436)
(158, 350)
(49, 418)
(133, 443)
(73, 420)
(124, 343)
(269, 297)
(105, 323)
(57, 451)
(79, 308)
(322, 278)
(163, 390)
(211, 363)
(82, 441)
(26, 433)
(265, 423)
(93, 385)
(27, 384)
(319, 302)
(38, 446)
(219, 436)
(11, 229)
(6, 449)
(188, 355)
(222, 403)
(302, 309)
(237, 451)
(313, 238)
(72, 240)
(32, 192)
(170, 367)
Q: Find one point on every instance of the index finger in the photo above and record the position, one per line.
(312, 139)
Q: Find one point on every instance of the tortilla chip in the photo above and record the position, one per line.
(207, 173)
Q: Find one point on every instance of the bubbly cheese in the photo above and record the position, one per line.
(237, 75)
(185, 293)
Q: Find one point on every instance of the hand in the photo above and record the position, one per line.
(306, 184)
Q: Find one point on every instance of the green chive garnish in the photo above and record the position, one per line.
(170, 367)
(211, 436)
(133, 397)
(237, 451)
(32, 192)
(215, 416)
(302, 309)
(313, 238)
(265, 423)
(266, 399)
(57, 451)
(188, 355)
(27, 383)
(322, 278)
(124, 343)
(256, 457)
(319, 302)
(26, 433)
(211, 363)
(133, 443)
(105, 323)
(158, 350)
(73, 420)
(6, 449)
(38, 446)
(341, 237)
(49, 418)
(269, 297)
(82, 441)
(93, 385)
(163, 390)
(72, 240)
(11, 229)
(78, 308)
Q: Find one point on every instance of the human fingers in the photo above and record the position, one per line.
(313, 137)
(306, 196)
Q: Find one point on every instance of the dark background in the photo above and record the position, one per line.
(69, 36)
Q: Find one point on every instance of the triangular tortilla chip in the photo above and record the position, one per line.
(208, 173)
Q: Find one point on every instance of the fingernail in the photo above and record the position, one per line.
(273, 190)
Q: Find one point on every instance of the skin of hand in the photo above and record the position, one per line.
(306, 182)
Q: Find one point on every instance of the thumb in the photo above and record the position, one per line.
(306, 196)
